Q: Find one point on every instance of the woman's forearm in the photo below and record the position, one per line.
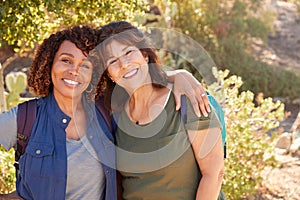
(208, 151)
(209, 187)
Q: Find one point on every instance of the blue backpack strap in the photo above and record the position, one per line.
(183, 108)
(219, 111)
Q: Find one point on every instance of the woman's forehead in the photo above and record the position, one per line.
(69, 48)
(115, 47)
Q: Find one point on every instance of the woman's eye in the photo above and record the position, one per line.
(110, 62)
(128, 52)
(85, 66)
(65, 60)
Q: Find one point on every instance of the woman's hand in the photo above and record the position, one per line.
(186, 84)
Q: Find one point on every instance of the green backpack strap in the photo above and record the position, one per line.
(219, 111)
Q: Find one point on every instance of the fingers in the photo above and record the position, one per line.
(202, 100)
(187, 84)
(204, 104)
(177, 97)
(205, 100)
(198, 99)
(195, 103)
(202, 108)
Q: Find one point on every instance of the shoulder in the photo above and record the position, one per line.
(12, 113)
(8, 131)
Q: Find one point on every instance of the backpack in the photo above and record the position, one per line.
(219, 111)
(25, 120)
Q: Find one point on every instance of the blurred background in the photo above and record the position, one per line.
(255, 46)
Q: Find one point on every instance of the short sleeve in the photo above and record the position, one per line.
(8, 128)
(200, 123)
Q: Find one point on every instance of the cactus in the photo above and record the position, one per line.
(16, 83)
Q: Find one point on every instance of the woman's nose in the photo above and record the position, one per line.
(74, 70)
(124, 61)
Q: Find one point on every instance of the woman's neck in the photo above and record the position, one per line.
(142, 96)
(69, 105)
(146, 103)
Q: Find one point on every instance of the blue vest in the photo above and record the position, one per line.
(43, 166)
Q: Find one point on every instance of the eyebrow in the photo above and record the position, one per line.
(126, 48)
(66, 54)
(71, 55)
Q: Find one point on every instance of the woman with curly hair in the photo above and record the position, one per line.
(69, 137)
(70, 153)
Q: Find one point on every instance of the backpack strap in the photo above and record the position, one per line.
(25, 120)
(115, 118)
(183, 109)
(105, 114)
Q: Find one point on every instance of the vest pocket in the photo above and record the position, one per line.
(39, 157)
(39, 149)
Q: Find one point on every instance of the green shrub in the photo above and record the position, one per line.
(226, 30)
(258, 76)
(249, 148)
(7, 171)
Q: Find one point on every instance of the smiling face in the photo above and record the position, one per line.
(127, 66)
(71, 72)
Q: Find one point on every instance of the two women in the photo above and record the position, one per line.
(71, 152)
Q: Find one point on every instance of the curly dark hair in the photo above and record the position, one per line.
(39, 79)
(125, 33)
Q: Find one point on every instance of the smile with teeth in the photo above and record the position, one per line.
(130, 74)
(70, 82)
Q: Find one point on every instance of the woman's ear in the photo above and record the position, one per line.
(146, 57)
(110, 77)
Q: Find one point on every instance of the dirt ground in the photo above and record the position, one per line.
(283, 45)
(282, 183)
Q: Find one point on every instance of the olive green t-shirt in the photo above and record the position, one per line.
(156, 160)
